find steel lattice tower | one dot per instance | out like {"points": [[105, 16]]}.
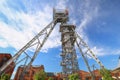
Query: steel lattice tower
{"points": [[69, 58], [68, 38]]}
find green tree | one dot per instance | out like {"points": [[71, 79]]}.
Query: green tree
{"points": [[50, 78], [40, 75], [106, 75], [73, 77], [5, 77]]}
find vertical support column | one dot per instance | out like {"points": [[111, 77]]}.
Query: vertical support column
{"points": [[69, 58]]}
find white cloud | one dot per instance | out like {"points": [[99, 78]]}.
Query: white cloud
{"points": [[22, 27], [98, 51], [88, 11], [117, 51], [61, 4], [3, 43], [104, 51]]}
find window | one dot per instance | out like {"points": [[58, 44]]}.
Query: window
{"points": [[87, 79], [4, 59]]}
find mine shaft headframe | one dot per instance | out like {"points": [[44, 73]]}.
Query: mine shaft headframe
{"points": [[61, 15], [69, 58]]}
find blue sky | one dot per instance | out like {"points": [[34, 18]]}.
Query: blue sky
{"points": [[97, 22]]}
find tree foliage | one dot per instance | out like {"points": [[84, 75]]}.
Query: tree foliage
{"points": [[106, 75], [5, 77], [50, 78], [40, 75], [74, 77]]}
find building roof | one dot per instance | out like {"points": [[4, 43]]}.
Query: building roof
{"points": [[95, 72], [116, 70], [4, 57]]}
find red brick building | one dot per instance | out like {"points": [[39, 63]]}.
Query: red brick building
{"points": [[59, 76], [52, 75], [4, 57], [30, 74], [83, 74], [96, 74], [116, 73]]}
